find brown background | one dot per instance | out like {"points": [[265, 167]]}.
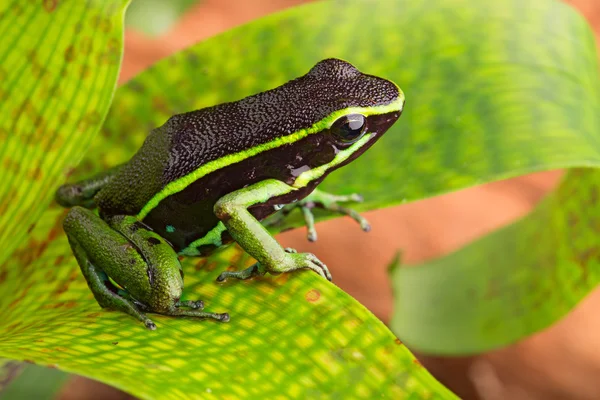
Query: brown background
{"points": [[562, 362]]}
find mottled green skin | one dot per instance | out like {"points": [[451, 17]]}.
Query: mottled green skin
{"points": [[194, 178]]}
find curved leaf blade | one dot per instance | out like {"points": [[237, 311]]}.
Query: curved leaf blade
{"points": [[59, 62], [509, 284]]}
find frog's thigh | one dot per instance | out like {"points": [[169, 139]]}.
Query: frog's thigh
{"points": [[163, 269], [97, 247]]}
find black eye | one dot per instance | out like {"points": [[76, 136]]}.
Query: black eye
{"points": [[349, 128]]}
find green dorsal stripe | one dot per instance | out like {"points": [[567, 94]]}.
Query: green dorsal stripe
{"points": [[183, 182]]}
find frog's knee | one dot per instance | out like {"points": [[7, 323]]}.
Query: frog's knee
{"points": [[75, 217]]}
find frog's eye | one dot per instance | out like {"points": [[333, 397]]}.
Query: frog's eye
{"points": [[349, 128]]}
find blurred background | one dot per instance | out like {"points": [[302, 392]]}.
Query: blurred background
{"points": [[562, 362]]}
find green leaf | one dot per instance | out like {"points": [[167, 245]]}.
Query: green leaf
{"points": [[536, 110], [59, 62], [509, 284], [35, 382], [293, 336], [155, 17]]}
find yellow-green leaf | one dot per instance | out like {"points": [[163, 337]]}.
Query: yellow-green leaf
{"points": [[59, 62]]}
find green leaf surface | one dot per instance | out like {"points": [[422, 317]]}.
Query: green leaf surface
{"points": [[59, 62], [154, 17], [291, 336], [536, 110], [35, 382], [509, 284]]}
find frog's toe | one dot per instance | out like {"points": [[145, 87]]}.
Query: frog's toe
{"points": [[321, 268], [310, 261], [150, 324], [195, 305], [253, 270], [224, 317]]}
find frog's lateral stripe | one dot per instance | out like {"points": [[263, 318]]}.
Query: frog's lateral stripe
{"points": [[181, 183]]}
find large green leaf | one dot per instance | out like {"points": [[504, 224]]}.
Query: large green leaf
{"points": [[59, 62], [524, 277], [509, 284]]}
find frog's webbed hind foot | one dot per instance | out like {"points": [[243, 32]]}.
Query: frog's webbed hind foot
{"points": [[195, 311], [326, 201]]}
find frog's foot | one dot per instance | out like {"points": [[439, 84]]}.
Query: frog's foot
{"points": [[292, 262], [326, 201], [181, 312], [195, 305], [254, 270]]}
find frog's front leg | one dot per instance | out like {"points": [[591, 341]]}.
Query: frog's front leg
{"points": [[232, 210], [143, 265], [82, 193]]}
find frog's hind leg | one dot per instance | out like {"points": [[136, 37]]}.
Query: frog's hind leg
{"points": [[95, 245], [136, 258], [164, 271], [82, 193]]}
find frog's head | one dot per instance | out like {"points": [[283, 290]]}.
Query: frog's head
{"points": [[351, 111]]}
